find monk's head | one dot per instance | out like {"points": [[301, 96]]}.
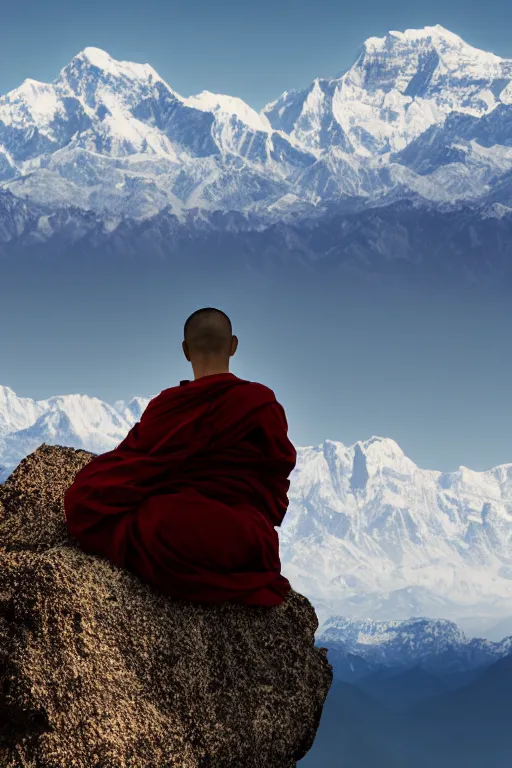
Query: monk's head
{"points": [[209, 341]]}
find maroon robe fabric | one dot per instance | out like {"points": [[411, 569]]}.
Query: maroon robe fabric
{"points": [[189, 499]]}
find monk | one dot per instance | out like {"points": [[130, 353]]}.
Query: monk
{"points": [[189, 500]]}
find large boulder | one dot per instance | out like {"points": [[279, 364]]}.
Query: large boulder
{"points": [[99, 670]]}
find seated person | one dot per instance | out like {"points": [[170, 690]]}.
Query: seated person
{"points": [[189, 499]]}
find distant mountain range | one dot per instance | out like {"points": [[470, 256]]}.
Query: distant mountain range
{"points": [[405, 159], [358, 649], [367, 532]]}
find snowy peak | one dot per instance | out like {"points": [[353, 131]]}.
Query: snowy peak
{"points": [[90, 107], [381, 446], [17, 412], [112, 136], [102, 60], [102, 83], [87, 414], [369, 530], [421, 63], [6, 393], [132, 410], [368, 632], [398, 87], [435, 36], [74, 420], [418, 63], [436, 32], [96, 63], [231, 106], [352, 467], [451, 49]]}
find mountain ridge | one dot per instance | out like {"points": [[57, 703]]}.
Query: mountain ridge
{"points": [[114, 138], [432, 645]]}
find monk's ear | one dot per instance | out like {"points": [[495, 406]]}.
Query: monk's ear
{"points": [[184, 346], [234, 345]]}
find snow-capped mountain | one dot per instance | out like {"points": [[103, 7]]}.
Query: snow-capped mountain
{"points": [[421, 116], [436, 645], [114, 138], [78, 421], [400, 85], [16, 413], [367, 532], [370, 532]]}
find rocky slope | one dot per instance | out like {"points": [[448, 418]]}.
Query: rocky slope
{"points": [[97, 669]]}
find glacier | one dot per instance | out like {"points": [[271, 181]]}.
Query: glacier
{"points": [[368, 534]]}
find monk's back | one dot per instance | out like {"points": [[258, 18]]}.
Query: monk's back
{"points": [[196, 489]]}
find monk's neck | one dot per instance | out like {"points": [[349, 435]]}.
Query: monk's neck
{"points": [[209, 372]]}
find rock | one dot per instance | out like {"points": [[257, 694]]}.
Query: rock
{"points": [[99, 670]]}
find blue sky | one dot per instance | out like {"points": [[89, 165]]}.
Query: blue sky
{"points": [[252, 50], [433, 372], [431, 369]]}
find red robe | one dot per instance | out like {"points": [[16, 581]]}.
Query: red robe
{"points": [[189, 499]]}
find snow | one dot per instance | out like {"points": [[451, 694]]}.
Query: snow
{"points": [[40, 99], [229, 105], [147, 148], [397, 527], [17, 412], [443, 39], [75, 420], [103, 61]]}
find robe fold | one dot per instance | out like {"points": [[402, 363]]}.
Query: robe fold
{"points": [[189, 499]]}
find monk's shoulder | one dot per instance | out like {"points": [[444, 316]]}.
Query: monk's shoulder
{"points": [[261, 391], [162, 397], [168, 392]]}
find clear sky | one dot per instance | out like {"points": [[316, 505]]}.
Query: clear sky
{"points": [[434, 374], [252, 50], [430, 368]]}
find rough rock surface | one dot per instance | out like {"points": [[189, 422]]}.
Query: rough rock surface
{"points": [[98, 670]]}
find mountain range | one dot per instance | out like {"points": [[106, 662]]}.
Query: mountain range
{"points": [[357, 649], [367, 532], [405, 158]]}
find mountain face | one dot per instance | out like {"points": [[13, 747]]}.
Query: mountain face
{"points": [[109, 150], [371, 532], [367, 532], [114, 138]]}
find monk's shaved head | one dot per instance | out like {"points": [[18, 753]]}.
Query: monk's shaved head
{"points": [[208, 334]]}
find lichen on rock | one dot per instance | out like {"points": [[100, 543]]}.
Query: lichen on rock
{"points": [[100, 670]]}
